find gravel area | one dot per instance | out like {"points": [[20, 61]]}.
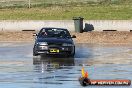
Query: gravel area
{"points": [[86, 37]]}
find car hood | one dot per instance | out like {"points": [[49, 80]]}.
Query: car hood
{"points": [[55, 40]]}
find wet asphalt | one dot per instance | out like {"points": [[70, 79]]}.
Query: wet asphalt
{"points": [[19, 69]]}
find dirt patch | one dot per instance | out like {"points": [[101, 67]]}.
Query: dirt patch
{"points": [[86, 37], [16, 36], [104, 37]]}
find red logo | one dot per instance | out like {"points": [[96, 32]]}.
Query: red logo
{"points": [[85, 81]]}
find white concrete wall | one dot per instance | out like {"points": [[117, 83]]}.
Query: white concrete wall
{"points": [[99, 25], [119, 25], [35, 24]]}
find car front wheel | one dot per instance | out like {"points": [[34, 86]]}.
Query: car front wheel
{"points": [[72, 54], [34, 53]]}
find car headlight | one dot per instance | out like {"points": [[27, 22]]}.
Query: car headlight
{"points": [[42, 43], [66, 44], [43, 47]]}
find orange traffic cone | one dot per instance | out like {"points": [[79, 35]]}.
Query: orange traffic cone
{"points": [[84, 74], [84, 80]]}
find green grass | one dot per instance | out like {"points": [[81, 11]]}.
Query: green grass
{"points": [[105, 10]]}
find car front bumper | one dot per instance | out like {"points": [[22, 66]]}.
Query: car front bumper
{"points": [[54, 49]]}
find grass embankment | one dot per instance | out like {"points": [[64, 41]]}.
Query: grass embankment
{"points": [[99, 11]]}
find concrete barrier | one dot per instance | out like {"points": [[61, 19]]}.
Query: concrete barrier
{"points": [[119, 25], [89, 25], [14, 25]]}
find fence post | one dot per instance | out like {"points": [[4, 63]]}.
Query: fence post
{"points": [[29, 3]]}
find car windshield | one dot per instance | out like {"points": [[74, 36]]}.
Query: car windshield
{"points": [[54, 32]]}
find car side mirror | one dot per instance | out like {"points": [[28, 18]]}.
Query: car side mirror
{"points": [[34, 34], [73, 36]]}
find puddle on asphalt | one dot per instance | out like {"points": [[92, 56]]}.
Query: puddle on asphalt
{"points": [[18, 69]]}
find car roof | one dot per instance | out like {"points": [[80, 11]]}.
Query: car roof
{"points": [[54, 28]]}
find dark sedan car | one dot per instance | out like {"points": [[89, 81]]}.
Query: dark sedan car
{"points": [[54, 41]]}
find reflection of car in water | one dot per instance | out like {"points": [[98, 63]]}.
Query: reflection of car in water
{"points": [[54, 41], [51, 63]]}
